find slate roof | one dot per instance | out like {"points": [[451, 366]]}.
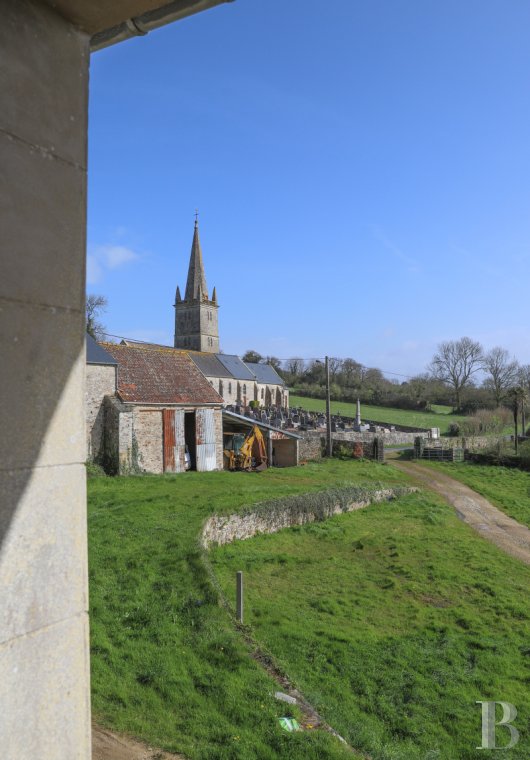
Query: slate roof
{"points": [[236, 367], [265, 373], [209, 364], [95, 354], [160, 376]]}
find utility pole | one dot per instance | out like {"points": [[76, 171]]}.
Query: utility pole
{"points": [[329, 443]]}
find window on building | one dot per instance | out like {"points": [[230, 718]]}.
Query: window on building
{"points": [[262, 393], [244, 389], [230, 388]]}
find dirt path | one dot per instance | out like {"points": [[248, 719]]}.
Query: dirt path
{"points": [[109, 746], [475, 510]]}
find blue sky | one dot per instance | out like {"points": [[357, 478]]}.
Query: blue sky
{"points": [[361, 171]]}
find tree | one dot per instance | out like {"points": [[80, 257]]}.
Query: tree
{"points": [[274, 362], [252, 356], [351, 372], [517, 398], [502, 372], [335, 366], [95, 305], [455, 362], [295, 366]]}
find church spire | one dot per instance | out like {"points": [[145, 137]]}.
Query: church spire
{"points": [[196, 283]]}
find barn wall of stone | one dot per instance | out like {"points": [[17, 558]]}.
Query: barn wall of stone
{"points": [[149, 439], [100, 382]]}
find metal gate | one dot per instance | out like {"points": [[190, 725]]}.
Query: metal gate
{"points": [[174, 443]]}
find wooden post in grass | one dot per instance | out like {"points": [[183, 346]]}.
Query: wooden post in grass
{"points": [[239, 595]]}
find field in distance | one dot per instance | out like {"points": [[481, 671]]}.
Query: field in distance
{"points": [[440, 417]]}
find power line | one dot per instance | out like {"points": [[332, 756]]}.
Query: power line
{"points": [[302, 358]]}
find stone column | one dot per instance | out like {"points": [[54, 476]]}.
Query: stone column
{"points": [[44, 663]]}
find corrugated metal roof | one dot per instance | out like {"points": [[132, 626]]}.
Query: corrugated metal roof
{"points": [[95, 354], [160, 376], [265, 373], [237, 368], [251, 422], [209, 364]]}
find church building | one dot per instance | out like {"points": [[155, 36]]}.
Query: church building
{"points": [[196, 322]]}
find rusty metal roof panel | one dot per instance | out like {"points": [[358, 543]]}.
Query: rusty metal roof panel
{"points": [[249, 422], [160, 376]]}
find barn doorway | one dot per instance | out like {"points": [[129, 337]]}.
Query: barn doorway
{"points": [[190, 438]]}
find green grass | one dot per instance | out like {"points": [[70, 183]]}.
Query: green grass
{"points": [[507, 488], [167, 663], [393, 620], [440, 416]]}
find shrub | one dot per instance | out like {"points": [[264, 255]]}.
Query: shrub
{"points": [[454, 429], [94, 470]]}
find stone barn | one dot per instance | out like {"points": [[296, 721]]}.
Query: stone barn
{"points": [[165, 415]]}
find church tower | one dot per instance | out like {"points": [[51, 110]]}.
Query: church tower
{"points": [[196, 320]]}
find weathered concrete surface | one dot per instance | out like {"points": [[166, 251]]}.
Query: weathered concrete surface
{"points": [[43, 694], [475, 510], [44, 669]]}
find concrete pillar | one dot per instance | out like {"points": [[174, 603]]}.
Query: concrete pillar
{"points": [[44, 669]]}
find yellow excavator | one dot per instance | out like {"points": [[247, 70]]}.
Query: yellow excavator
{"points": [[247, 452]]}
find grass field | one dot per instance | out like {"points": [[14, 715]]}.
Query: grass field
{"points": [[440, 417], [394, 621], [167, 663], [506, 488]]}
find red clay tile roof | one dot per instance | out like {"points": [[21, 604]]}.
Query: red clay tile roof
{"points": [[160, 376]]}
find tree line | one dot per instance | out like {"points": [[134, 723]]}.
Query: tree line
{"points": [[461, 374]]}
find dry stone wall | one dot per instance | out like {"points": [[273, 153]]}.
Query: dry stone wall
{"points": [[294, 510]]}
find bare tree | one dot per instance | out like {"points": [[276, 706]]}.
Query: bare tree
{"points": [[95, 305], [502, 371], [273, 361], [295, 365], [523, 379], [455, 362], [517, 398], [335, 366]]}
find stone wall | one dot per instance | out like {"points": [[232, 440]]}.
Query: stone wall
{"points": [[313, 444], [228, 388], [223, 529], [471, 443], [149, 440], [100, 382]]}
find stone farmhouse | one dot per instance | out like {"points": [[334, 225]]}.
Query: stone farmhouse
{"points": [[150, 410]]}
